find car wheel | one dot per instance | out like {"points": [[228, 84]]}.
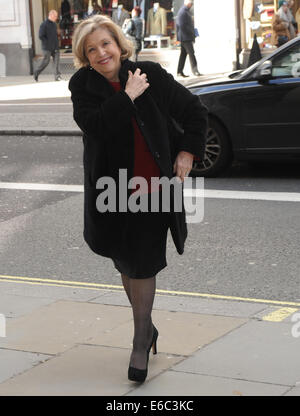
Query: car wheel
{"points": [[218, 152]]}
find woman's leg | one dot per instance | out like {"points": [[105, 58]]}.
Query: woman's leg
{"points": [[142, 292], [126, 285]]}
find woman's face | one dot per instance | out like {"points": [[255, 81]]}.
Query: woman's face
{"points": [[103, 53]]}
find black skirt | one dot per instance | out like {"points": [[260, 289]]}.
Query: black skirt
{"points": [[145, 254]]}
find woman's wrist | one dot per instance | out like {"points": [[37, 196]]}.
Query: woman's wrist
{"points": [[130, 95]]}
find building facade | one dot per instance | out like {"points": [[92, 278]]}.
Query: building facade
{"points": [[15, 37], [226, 29]]}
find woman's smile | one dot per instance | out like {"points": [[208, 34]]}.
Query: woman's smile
{"points": [[104, 61]]}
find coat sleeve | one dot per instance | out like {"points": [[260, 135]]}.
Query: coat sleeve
{"points": [[42, 32], [186, 109], [95, 116]]}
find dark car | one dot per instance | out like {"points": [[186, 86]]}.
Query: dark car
{"points": [[254, 114]]}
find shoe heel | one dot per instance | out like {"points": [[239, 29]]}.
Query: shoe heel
{"points": [[135, 374], [154, 344]]}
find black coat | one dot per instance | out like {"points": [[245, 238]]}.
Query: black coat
{"points": [[185, 25], [105, 117], [48, 36]]}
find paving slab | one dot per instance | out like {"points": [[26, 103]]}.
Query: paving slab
{"points": [[191, 304], [38, 120], [83, 370], [13, 363], [179, 333], [55, 292], [172, 383], [295, 391], [54, 328], [258, 351], [13, 306]]}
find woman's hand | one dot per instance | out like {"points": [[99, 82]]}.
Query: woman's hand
{"points": [[136, 84], [183, 165]]}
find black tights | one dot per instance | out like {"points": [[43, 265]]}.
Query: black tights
{"points": [[140, 293]]}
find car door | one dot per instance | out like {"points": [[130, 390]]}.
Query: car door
{"points": [[270, 111]]}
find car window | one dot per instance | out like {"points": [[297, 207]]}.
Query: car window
{"points": [[288, 63]]}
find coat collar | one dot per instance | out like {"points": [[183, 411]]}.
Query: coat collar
{"points": [[97, 84]]}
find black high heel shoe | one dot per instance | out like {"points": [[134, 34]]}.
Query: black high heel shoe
{"points": [[135, 374]]}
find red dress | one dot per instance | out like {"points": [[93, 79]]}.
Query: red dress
{"points": [[144, 163]]}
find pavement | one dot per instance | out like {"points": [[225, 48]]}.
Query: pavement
{"points": [[74, 339], [66, 338]]}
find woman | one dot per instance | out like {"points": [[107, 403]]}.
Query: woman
{"points": [[281, 24], [124, 111], [134, 28]]}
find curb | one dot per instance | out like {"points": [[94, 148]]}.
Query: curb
{"points": [[39, 132]]}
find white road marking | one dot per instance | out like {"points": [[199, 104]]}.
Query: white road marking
{"points": [[41, 187], [198, 193], [252, 195]]}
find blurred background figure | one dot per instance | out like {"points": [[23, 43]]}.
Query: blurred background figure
{"points": [[93, 9], [281, 24], [134, 29], [186, 36], [293, 27], [50, 45]]}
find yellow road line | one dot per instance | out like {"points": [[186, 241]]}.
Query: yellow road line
{"points": [[49, 284], [279, 315], [100, 286]]}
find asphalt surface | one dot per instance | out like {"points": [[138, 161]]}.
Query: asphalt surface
{"points": [[241, 248]]}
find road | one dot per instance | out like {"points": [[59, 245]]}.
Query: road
{"points": [[242, 248]]}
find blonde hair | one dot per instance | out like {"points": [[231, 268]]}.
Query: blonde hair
{"points": [[88, 26]]}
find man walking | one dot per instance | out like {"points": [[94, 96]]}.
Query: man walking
{"points": [[186, 36], [49, 38]]}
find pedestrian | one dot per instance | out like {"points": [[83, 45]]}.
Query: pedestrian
{"points": [[134, 28], [293, 26], [280, 25], [186, 36], [96, 9], [50, 46], [125, 111]]}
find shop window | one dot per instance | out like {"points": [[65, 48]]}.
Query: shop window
{"points": [[257, 19], [258, 15], [71, 12]]}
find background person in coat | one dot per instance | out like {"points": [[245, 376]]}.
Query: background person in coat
{"points": [[50, 46], [124, 110], [281, 24], [134, 28], [186, 36]]}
